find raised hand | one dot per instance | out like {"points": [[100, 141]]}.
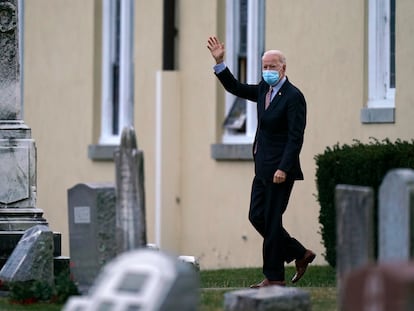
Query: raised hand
{"points": [[216, 49]]}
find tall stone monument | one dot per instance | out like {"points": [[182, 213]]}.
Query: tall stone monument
{"points": [[130, 194], [18, 210]]}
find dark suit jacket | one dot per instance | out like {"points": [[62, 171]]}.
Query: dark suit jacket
{"points": [[280, 128]]}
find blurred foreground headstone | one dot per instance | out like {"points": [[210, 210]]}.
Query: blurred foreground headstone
{"points": [[384, 287], [145, 280]]}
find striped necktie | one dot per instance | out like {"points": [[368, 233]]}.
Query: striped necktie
{"points": [[268, 96]]}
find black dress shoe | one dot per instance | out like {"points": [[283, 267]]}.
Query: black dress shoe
{"points": [[267, 282], [302, 264]]}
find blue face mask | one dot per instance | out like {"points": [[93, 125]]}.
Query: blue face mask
{"points": [[270, 76]]}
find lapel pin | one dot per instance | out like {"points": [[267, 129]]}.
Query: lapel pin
{"points": [[280, 93]]}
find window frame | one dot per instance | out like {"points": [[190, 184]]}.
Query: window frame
{"points": [[255, 49], [123, 113], [380, 94], [380, 107]]}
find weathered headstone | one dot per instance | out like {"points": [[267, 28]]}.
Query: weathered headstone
{"points": [[92, 218], [130, 193], [396, 216], [355, 230], [32, 259], [272, 298], [142, 280], [381, 287]]}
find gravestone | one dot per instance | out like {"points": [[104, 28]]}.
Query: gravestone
{"points": [[271, 298], [32, 259], [355, 230], [383, 287], [92, 241], [130, 193], [396, 216], [142, 279]]}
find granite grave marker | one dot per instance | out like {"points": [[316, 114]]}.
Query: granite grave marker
{"points": [[91, 215], [32, 259]]}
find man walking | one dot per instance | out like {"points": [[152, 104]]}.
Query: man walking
{"points": [[281, 113]]}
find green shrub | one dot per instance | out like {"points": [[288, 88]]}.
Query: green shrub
{"points": [[34, 291], [29, 292], [64, 288], [360, 165]]}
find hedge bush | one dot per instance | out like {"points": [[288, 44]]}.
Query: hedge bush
{"points": [[34, 291], [360, 165]]}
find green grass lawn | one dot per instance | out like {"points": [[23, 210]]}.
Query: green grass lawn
{"points": [[319, 281]]}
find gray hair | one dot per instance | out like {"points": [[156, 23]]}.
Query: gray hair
{"points": [[282, 57]]}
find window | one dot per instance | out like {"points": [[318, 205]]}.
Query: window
{"points": [[381, 63], [244, 48], [117, 69]]}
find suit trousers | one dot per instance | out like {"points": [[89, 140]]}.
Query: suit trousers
{"points": [[267, 205]]}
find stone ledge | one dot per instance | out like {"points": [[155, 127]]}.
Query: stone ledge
{"points": [[101, 152], [377, 115], [232, 152]]}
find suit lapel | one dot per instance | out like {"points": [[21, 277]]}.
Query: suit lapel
{"points": [[279, 94]]}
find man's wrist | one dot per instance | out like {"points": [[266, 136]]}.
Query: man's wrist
{"points": [[219, 67]]}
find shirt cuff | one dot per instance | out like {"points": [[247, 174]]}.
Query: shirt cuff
{"points": [[219, 67]]}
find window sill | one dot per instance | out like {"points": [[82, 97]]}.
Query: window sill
{"points": [[231, 152], [101, 152], [377, 115]]}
